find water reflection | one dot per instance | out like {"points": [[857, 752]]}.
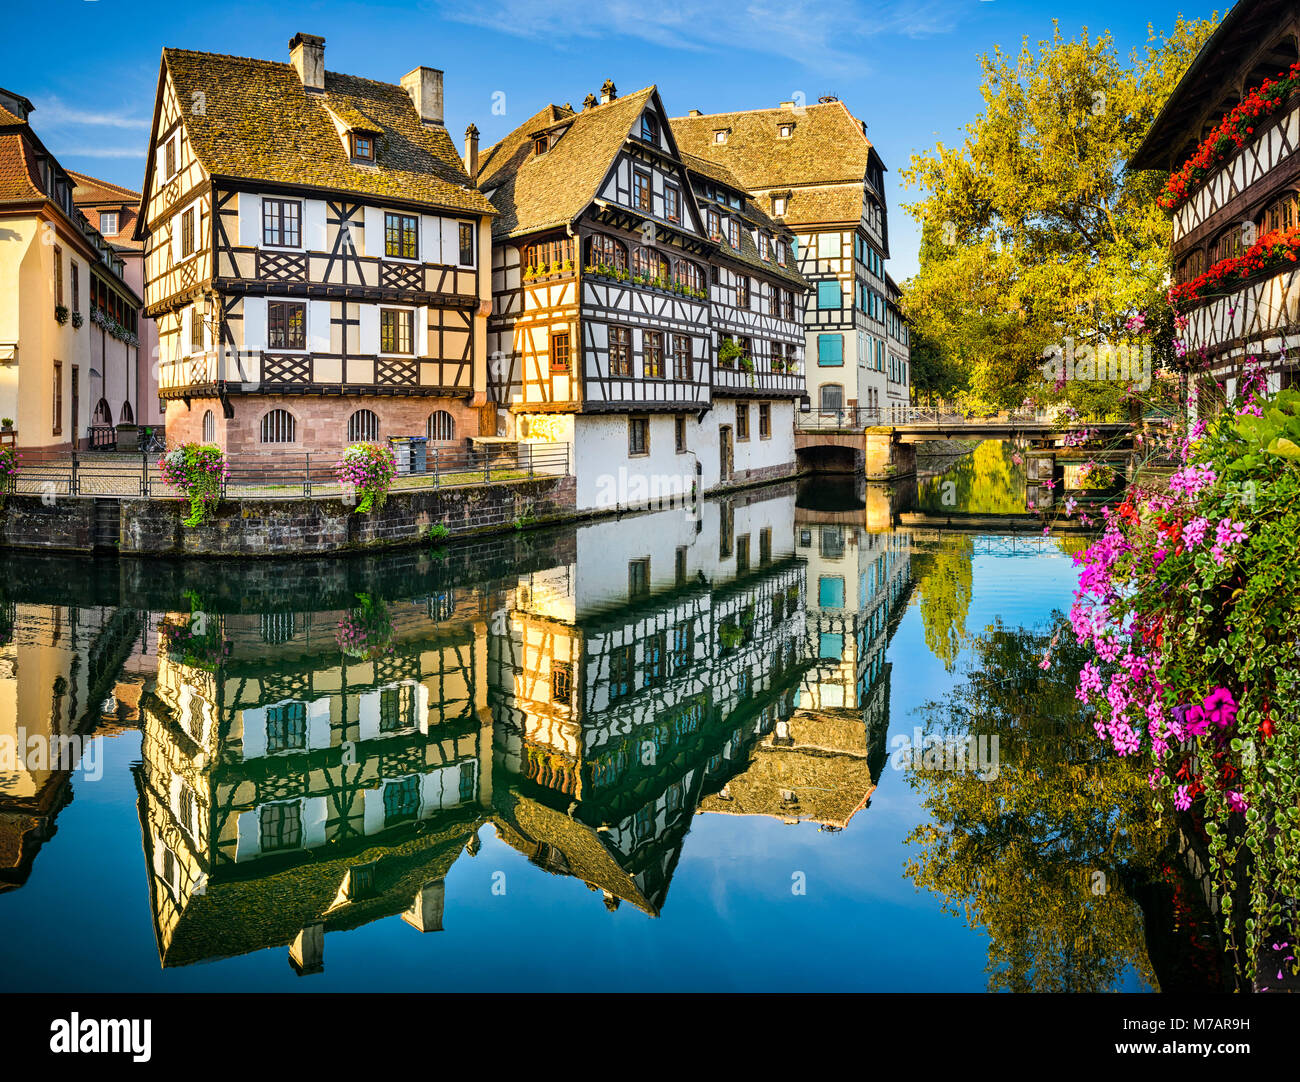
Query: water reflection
{"points": [[321, 742]]}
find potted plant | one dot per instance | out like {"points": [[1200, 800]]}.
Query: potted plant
{"points": [[728, 351], [77, 320], [61, 314], [6, 424]]}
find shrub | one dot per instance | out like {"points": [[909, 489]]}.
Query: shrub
{"points": [[368, 468], [1190, 600], [8, 471], [197, 471]]}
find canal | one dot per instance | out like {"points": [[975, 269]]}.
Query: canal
{"points": [[778, 743]]}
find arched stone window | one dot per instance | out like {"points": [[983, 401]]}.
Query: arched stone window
{"points": [[278, 426], [363, 426], [441, 427], [209, 427]]}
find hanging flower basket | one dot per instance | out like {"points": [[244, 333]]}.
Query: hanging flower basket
{"points": [[197, 471], [368, 469]]}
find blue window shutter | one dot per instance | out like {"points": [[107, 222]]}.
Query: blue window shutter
{"points": [[830, 349], [829, 295]]}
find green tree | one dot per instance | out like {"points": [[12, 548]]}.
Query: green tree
{"points": [[1038, 855], [1033, 229]]}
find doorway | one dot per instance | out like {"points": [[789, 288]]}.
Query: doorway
{"points": [[726, 463]]}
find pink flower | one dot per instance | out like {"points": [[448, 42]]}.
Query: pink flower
{"points": [[1181, 800], [1237, 802]]}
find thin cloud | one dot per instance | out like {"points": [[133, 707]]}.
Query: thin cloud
{"points": [[100, 152], [817, 33], [53, 113]]}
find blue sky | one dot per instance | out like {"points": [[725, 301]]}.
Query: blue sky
{"points": [[907, 67]]}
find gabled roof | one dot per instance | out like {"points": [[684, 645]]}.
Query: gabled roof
{"points": [[19, 179], [94, 190], [92, 194], [259, 123], [535, 193], [827, 147]]}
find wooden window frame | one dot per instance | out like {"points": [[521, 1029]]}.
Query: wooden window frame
{"points": [[361, 147], [74, 271], [683, 359], [638, 578], [673, 203], [57, 396], [652, 354], [465, 243], [104, 217], [189, 223], [679, 434], [765, 420], [58, 275], [405, 318], [396, 234], [281, 228], [742, 422], [643, 185], [561, 349], [623, 354], [170, 158], [635, 422], [604, 250], [287, 307], [743, 291], [196, 329], [561, 681], [649, 128]]}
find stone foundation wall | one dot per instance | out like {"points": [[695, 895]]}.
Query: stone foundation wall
{"points": [[252, 527], [320, 421]]}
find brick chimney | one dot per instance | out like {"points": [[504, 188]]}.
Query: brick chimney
{"points": [[425, 87], [607, 92], [307, 55], [471, 153]]}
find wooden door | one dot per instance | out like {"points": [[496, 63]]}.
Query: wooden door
{"points": [[725, 452]]}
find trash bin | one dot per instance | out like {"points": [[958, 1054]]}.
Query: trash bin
{"points": [[401, 446], [419, 454]]}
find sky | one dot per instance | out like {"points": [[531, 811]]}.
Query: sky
{"points": [[909, 68]]}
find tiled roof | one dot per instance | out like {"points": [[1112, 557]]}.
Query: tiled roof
{"points": [[6, 117], [753, 214], [17, 171], [827, 146], [93, 190], [93, 196], [540, 192], [259, 123]]}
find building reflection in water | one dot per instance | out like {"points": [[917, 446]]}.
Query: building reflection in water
{"points": [[315, 758]]}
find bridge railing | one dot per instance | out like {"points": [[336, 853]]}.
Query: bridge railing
{"points": [[943, 416]]}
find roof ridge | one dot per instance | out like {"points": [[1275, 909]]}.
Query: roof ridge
{"points": [[101, 183]]}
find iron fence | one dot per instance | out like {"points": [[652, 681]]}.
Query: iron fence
{"points": [[272, 475]]}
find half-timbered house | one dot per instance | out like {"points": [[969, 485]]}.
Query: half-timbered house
{"points": [[1255, 191], [295, 782], [314, 255], [756, 308], [813, 169], [68, 318], [604, 270]]}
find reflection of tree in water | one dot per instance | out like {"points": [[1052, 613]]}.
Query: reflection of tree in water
{"points": [[943, 577], [1037, 855], [986, 481]]}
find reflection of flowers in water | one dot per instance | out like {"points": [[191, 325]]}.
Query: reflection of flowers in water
{"points": [[195, 641], [366, 632]]}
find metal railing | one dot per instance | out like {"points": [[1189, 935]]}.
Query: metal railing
{"points": [[272, 475], [942, 416]]}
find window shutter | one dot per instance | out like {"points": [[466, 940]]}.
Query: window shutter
{"points": [[369, 327], [374, 239], [313, 225], [254, 323], [431, 239], [250, 220], [318, 326]]}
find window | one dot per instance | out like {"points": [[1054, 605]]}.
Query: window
{"points": [[286, 325], [682, 357], [282, 223], [638, 578], [638, 436], [764, 247], [603, 251], [541, 144], [720, 136], [466, 244], [396, 708], [679, 433], [653, 357], [278, 427], [58, 275], [713, 222], [169, 157], [549, 255], [620, 352], [733, 233], [785, 130], [742, 291], [468, 772], [622, 667], [1283, 213], [690, 275], [653, 669], [108, 222], [281, 826], [742, 553], [401, 800], [561, 681], [650, 128], [764, 420], [560, 354], [57, 397], [641, 191], [647, 263], [440, 427], [672, 203], [196, 329], [187, 232], [832, 397], [787, 304], [742, 420], [209, 426], [363, 426], [765, 557], [830, 591], [400, 236], [76, 284], [830, 295], [286, 727], [363, 146], [396, 330], [830, 349]]}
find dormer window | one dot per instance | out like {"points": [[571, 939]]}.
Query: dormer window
{"points": [[541, 144], [720, 136], [362, 146], [778, 205], [785, 130], [650, 128], [109, 223]]}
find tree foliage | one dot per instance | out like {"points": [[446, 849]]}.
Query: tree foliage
{"points": [[1033, 229]]}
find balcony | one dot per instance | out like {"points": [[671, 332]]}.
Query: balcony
{"points": [[761, 381], [1251, 314]]}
